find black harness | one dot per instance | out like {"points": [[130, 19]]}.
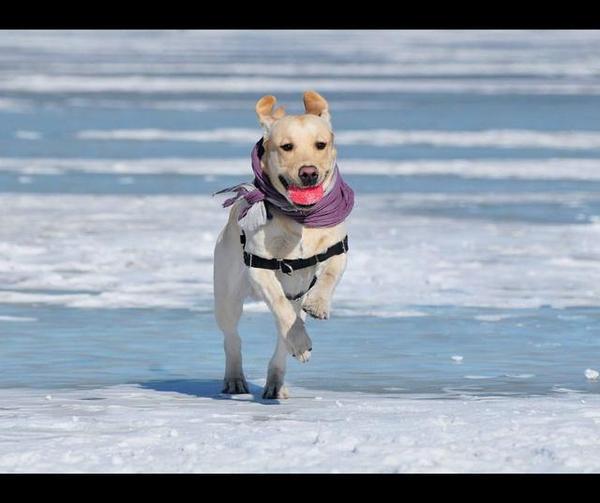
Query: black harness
{"points": [[288, 266]]}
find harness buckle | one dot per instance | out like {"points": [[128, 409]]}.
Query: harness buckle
{"points": [[289, 269]]}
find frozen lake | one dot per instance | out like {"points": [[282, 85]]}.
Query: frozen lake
{"points": [[474, 258]]}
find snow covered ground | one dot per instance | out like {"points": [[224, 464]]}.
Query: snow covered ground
{"points": [[156, 251], [132, 429], [464, 335]]}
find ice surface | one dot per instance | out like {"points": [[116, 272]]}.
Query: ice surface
{"points": [[501, 169], [77, 84], [28, 135], [461, 331], [568, 140]]}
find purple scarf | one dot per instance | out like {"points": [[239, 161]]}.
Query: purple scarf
{"points": [[330, 210]]}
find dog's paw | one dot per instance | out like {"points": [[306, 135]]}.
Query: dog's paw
{"points": [[298, 343], [275, 389], [235, 386], [318, 307]]}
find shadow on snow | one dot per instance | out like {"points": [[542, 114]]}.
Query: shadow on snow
{"points": [[204, 388]]}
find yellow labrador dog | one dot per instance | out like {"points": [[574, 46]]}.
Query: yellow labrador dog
{"points": [[285, 240]]}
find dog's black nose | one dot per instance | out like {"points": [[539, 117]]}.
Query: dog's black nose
{"points": [[308, 175]]}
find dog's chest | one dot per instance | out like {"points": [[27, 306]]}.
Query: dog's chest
{"points": [[283, 238]]}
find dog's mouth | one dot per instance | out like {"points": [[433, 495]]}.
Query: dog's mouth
{"points": [[303, 196]]}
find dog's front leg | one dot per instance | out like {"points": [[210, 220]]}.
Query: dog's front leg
{"points": [[317, 301], [292, 337], [289, 325]]}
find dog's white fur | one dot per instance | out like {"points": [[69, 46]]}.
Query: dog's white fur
{"points": [[281, 237]]}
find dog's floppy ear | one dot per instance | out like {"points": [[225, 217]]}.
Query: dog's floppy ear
{"points": [[315, 104], [266, 113]]}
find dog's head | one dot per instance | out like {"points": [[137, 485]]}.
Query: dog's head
{"points": [[299, 151]]}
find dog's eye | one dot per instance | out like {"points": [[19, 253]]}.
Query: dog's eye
{"points": [[287, 146], [320, 145]]}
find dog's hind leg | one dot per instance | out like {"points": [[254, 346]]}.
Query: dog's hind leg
{"points": [[229, 289], [228, 316]]}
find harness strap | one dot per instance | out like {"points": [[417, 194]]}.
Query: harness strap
{"points": [[302, 294], [290, 265]]}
